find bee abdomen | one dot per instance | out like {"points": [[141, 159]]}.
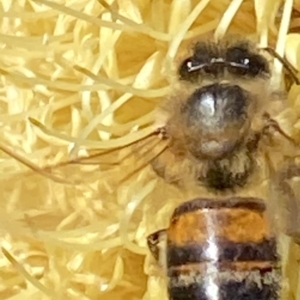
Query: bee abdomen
{"points": [[216, 284], [222, 250]]}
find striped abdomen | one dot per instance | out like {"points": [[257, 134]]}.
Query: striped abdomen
{"points": [[222, 250]]}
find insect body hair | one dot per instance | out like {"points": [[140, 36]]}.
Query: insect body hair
{"points": [[215, 117]]}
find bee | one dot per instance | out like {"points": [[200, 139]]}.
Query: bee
{"points": [[219, 131]]}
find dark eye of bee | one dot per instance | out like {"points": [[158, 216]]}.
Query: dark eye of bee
{"points": [[243, 62], [191, 68], [184, 71]]}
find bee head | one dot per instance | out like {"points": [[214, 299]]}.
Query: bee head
{"points": [[218, 110]]}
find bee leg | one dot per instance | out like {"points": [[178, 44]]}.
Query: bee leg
{"points": [[291, 201], [162, 133], [159, 165], [288, 66], [157, 246], [170, 167], [273, 124]]}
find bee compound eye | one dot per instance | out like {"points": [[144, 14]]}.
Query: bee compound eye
{"points": [[242, 62], [186, 71]]}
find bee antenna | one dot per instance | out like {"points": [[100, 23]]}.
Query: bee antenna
{"points": [[289, 68]]}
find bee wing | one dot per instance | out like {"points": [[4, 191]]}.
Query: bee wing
{"points": [[47, 194], [135, 156], [285, 194]]}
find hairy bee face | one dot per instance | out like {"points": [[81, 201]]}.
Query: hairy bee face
{"points": [[216, 115], [214, 118]]}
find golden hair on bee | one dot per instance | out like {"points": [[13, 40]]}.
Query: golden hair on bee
{"points": [[218, 115], [221, 134]]}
